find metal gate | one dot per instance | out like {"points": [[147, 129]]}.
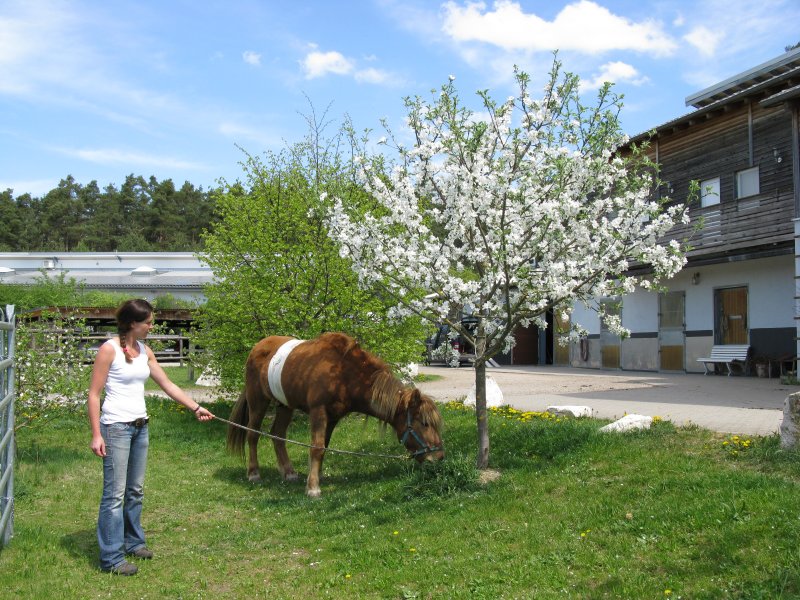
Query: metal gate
{"points": [[7, 340]]}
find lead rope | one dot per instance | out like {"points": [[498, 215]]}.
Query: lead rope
{"points": [[334, 450]]}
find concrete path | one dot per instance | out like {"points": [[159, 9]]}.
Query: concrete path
{"points": [[740, 405]]}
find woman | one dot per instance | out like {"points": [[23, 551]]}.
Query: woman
{"points": [[120, 434]]}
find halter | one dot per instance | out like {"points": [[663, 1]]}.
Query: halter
{"points": [[424, 448]]}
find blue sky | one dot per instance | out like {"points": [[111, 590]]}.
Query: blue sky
{"points": [[102, 89]]}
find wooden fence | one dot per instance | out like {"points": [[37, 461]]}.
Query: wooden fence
{"points": [[169, 349]]}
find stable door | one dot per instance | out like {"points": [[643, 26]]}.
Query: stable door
{"points": [[671, 331], [731, 316]]}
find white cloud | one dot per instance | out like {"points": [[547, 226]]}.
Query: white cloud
{"points": [[252, 133], [614, 72], [372, 76], [33, 39], [47, 56], [419, 18], [318, 64], [704, 39], [251, 58], [111, 156], [583, 26]]}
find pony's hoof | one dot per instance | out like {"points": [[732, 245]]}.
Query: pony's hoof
{"points": [[254, 478], [291, 476], [315, 493]]}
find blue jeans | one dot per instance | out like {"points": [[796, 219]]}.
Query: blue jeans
{"points": [[119, 527]]}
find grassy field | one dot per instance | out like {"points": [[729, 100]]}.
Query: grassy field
{"points": [[179, 375], [668, 513]]}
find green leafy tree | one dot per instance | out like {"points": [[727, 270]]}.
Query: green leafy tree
{"points": [[10, 218], [140, 216], [90, 198], [277, 270], [46, 291], [63, 215], [29, 237]]}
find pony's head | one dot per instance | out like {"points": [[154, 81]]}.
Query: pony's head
{"points": [[420, 431], [413, 415]]}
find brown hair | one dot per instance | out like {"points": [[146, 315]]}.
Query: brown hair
{"points": [[132, 311]]}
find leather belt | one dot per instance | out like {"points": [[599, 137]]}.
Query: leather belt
{"points": [[138, 423]]}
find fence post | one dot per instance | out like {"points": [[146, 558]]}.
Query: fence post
{"points": [[191, 361], [7, 392]]}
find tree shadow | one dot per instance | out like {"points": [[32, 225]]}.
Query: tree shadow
{"points": [[82, 545], [34, 453]]}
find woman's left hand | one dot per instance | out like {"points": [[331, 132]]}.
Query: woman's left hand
{"points": [[203, 414]]}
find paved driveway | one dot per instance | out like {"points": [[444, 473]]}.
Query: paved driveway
{"points": [[743, 405]]}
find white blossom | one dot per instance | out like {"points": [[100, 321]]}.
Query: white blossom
{"points": [[508, 216]]}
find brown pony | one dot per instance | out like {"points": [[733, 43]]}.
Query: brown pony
{"points": [[328, 378]]}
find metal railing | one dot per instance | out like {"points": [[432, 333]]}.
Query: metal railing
{"points": [[7, 393]]}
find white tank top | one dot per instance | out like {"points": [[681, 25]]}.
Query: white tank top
{"points": [[124, 400]]}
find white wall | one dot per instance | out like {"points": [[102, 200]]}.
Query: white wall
{"points": [[640, 311], [771, 291], [770, 285], [586, 318]]}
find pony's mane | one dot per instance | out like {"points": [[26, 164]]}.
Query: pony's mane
{"points": [[387, 394], [429, 414], [388, 397]]}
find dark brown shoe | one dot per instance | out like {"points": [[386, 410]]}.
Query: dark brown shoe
{"points": [[142, 552], [123, 568]]}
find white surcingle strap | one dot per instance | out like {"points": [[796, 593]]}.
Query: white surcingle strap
{"points": [[275, 369]]}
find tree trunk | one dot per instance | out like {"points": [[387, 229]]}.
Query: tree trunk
{"points": [[480, 399]]}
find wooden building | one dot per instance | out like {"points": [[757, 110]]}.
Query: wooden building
{"points": [[741, 143]]}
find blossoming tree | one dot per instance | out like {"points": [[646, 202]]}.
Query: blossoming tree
{"points": [[524, 207]]}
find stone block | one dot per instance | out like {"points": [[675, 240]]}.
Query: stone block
{"points": [[629, 423], [570, 411]]}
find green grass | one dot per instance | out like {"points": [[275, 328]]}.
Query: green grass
{"points": [[178, 375], [427, 377], [667, 513]]}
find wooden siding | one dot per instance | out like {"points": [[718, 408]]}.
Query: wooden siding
{"points": [[719, 145]]}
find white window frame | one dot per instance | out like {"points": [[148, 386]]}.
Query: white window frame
{"points": [[748, 182], [709, 192]]}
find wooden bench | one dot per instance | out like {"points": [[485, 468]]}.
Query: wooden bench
{"points": [[728, 355]]}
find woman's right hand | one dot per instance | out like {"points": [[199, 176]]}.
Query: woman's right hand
{"points": [[99, 446]]}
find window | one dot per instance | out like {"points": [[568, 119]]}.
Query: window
{"points": [[747, 183], [709, 192]]}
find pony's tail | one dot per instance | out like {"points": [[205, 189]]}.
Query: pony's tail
{"points": [[237, 435]]}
